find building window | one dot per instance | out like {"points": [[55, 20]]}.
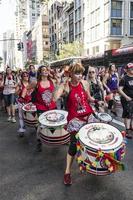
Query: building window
{"points": [[76, 15], [76, 28], [80, 26], [116, 27], [79, 13], [131, 27], [116, 9], [131, 10]]}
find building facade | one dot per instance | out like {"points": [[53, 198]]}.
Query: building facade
{"points": [[8, 49], [33, 12], [108, 25]]}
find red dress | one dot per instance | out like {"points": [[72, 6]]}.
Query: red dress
{"points": [[44, 97], [77, 104]]}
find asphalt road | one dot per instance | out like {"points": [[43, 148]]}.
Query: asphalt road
{"points": [[28, 175]]}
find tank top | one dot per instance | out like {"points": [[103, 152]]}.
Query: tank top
{"points": [[112, 82], [44, 97], [27, 97], [77, 102], [8, 85]]}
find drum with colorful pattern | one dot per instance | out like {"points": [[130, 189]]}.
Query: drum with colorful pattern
{"points": [[51, 129], [100, 149]]}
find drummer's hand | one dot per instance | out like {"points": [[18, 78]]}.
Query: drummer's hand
{"points": [[128, 98], [101, 103]]}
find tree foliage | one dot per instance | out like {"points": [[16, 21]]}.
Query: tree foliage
{"points": [[71, 49], [43, 1]]}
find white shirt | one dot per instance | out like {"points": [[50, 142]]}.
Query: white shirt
{"points": [[8, 87]]}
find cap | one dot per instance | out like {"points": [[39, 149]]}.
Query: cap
{"points": [[129, 66]]}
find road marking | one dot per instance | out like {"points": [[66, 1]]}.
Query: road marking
{"points": [[118, 122]]}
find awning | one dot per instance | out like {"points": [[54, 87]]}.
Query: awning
{"points": [[122, 51]]}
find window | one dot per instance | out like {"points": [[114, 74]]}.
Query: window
{"points": [[76, 15], [80, 26], [79, 13], [131, 10], [116, 9], [76, 28], [131, 27], [116, 27]]}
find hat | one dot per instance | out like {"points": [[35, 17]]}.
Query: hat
{"points": [[129, 66]]}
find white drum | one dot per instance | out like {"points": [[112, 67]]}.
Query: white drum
{"points": [[104, 117], [30, 115], [100, 149], [51, 129]]}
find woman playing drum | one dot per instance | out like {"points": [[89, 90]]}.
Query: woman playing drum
{"points": [[24, 98], [78, 108], [43, 94]]}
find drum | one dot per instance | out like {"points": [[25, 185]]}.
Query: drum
{"points": [[100, 149], [104, 117], [51, 129], [30, 115], [118, 105]]}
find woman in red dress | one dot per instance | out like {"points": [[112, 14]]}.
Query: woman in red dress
{"points": [[79, 110]]}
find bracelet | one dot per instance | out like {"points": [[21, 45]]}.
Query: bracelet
{"points": [[95, 101]]}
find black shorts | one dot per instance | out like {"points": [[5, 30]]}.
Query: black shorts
{"points": [[9, 99], [127, 108]]}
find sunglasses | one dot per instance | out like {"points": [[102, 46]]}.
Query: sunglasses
{"points": [[91, 72], [26, 75]]}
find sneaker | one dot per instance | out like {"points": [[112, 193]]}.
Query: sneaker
{"points": [[21, 130], [128, 134], [21, 135], [13, 120], [9, 119], [67, 179]]}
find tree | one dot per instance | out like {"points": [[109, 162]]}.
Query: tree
{"points": [[71, 49], [44, 1]]}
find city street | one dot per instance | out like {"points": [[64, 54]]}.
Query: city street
{"points": [[28, 175]]}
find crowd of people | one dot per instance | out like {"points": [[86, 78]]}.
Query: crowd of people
{"points": [[68, 88]]}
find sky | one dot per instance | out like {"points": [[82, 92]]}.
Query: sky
{"points": [[7, 9]]}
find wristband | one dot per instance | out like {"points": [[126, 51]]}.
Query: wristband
{"points": [[95, 101]]}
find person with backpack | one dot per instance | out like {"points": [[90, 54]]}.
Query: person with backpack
{"points": [[79, 110], [9, 94]]}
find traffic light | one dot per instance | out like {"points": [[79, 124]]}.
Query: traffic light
{"points": [[20, 46]]}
